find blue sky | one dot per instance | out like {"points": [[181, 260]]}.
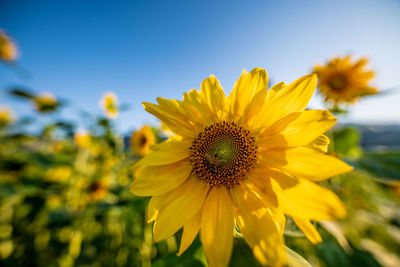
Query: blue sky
{"points": [[141, 50]]}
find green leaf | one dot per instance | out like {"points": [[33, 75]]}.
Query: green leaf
{"points": [[346, 142], [21, 92], [295, 260], [384, 166], [242, 255]]}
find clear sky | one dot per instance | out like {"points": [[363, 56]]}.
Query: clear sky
{"points": [[141, 50]]}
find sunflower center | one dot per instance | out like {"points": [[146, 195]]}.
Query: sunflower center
{"points": [[223, 154], [338, 82], [143, 140], [94, 187]]}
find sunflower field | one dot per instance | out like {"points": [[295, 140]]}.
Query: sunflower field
{"points": [[255, 177]]}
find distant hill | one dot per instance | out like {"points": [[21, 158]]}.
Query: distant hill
{"points": [[378, 136]]}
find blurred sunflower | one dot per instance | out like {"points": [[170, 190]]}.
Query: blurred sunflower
{"points": [[6, 116], [45, 102], [8, 49], [250, 157], [142, 140], [342, 80], [109, 104], [396, 188], [82, 139], [97, 190]]}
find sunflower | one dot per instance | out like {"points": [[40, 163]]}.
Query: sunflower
{"points": [[244, 160], [97, 190], [142, 140], [6, 116], [8, 49], [342, 80], [45, 102], [109, 104], [82, 139]]}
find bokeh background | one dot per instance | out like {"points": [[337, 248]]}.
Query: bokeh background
{"points": [[66, 165]]}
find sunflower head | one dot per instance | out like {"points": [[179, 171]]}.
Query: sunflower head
{"points": [[45, 102], [98, 189], [8, 49], [247, 160], [142, 140], [6, 116], [82, 139], [342, 80], [223, 154], [109, 104]]}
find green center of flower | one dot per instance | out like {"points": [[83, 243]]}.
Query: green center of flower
{"points": [[223, 154]]}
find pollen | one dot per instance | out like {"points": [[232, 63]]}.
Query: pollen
{"points": [[223, 154]]}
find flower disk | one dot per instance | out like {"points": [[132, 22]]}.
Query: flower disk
{"points": [[223, 154]]}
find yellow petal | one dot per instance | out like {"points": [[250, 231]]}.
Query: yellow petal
{"points": [[257, 225], [182, 204], [277, 213], [157, 180], [308, 229], [194, 108], [155, 205], [292, 98], [305, 162], [261, 179], [170, 113], [311, 164], [173, 150], [190, 231], [248, 94], [306, 127], [217, 225], [321, 144], [213, 96], [285, 180], [260, 83], [307, 200], [275, 89]]}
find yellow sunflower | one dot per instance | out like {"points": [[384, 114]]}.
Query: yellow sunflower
{"points": [[45, 102], [109, 104], [98, 189], [82, 139], [142, 140], [8, 49], [246, 159], [342, 80], [6, 116]]}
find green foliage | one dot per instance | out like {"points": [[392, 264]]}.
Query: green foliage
{"points": [[346, 142], [383, 166]]}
